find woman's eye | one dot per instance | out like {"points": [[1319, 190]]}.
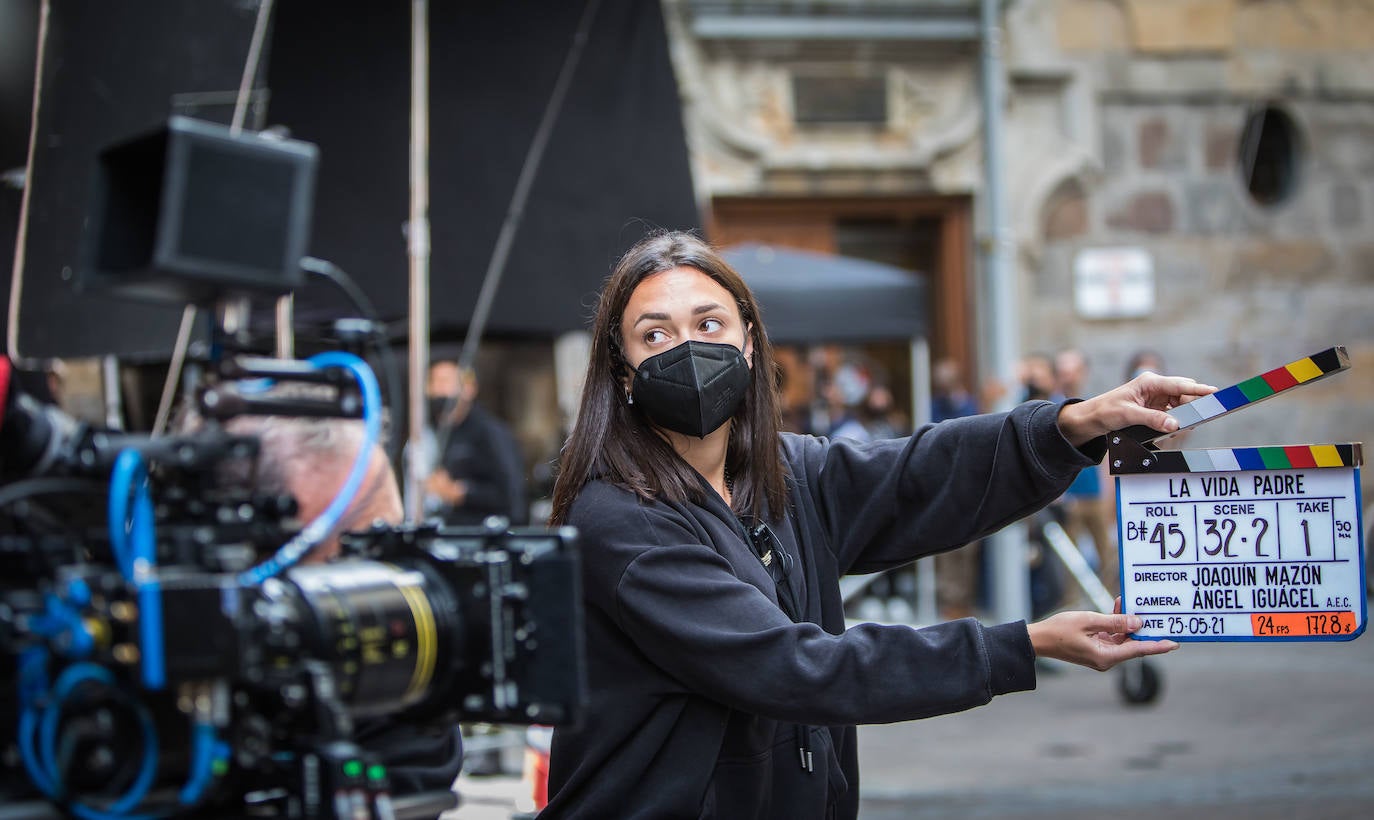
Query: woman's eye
{"points": [[712, 325], [654, 337]]}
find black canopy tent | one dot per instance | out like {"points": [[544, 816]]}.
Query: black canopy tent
{"points": [[616, 161], [808, 297]]}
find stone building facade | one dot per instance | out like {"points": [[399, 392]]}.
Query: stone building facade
{"points": [[1227, 143]]}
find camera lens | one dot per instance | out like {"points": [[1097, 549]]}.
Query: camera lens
{"points": [[380, 627]]}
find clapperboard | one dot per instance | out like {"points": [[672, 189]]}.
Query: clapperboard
{"points": [[1242, 543]]}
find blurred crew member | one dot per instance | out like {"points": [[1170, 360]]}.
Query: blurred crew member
{"points": [[482, 471]]}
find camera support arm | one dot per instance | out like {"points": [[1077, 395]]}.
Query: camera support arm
{"points": [[227, 399]]}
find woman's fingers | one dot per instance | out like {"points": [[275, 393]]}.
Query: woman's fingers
{"points": [[1093, 639]]}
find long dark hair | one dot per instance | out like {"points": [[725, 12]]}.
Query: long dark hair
{"points": [[615, 442]]}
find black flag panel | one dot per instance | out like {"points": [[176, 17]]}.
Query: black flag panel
{"points": [[110, 71], [616, 163]]}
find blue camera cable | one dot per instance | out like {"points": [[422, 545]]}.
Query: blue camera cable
{"points": [[138, 562]]}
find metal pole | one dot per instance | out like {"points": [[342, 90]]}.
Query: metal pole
{"points": [[1011, 578], [21, 237], [927, 607], [286, 321], [417, 236], [114, 394]]}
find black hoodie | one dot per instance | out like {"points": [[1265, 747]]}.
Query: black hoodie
{"points": [[698, 679]]}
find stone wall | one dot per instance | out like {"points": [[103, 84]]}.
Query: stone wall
{"points": [[1240, 287]]}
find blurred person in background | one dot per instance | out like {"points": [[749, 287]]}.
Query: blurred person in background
{"points": [[845, 393], [949, 398], [1144, 360], [1036, 374], [880, 416], [482, 471], [868, 412]]}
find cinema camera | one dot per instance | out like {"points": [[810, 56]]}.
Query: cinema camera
{"points": [[158, 666]]}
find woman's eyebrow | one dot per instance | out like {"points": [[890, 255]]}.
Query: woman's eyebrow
{"points": [[656, 316], [663, 317]]}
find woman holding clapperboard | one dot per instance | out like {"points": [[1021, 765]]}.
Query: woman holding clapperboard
{"points": [[723, 682]]}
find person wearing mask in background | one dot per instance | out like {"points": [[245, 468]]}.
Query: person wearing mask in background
{"points": [[722, 680], [880, 415], [482, 471]]}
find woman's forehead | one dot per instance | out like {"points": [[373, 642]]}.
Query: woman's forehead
{"points": [[674, 290]]}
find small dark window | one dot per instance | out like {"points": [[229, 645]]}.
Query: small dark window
{"points": [[1270, 154], [821, 100]]}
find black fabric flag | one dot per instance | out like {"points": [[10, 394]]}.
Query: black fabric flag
{"points": [[615, 166]]}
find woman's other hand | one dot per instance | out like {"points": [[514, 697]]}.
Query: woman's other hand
{"points": [[1093, 639]]}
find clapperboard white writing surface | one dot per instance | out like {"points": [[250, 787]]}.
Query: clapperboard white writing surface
{"points": [[1242, 543]]}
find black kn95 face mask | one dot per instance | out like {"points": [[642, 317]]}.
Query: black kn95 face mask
{"points": [[693, 388]]}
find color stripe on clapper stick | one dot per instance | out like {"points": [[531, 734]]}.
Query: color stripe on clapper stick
{"points": [[1231, 459], [1252, 391]]}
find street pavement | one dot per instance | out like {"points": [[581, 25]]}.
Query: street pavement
{"points": [[490, 797], [1238, 731], [1255, 731]]}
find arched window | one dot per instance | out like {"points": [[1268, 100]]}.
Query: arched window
{"points": [[1270, 155]]}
